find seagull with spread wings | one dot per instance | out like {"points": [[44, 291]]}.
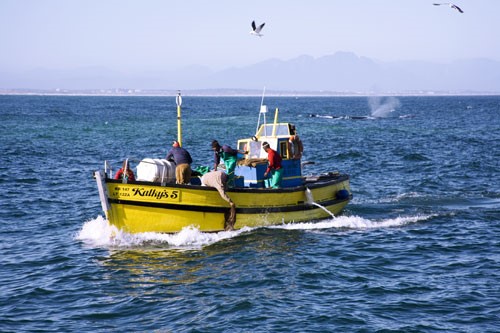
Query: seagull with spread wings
{"points": [[256, 29], [449, 4]]}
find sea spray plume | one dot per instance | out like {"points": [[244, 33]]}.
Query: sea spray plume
{"points": [[381, 107]]}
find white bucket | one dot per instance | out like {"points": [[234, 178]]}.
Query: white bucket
{"points": [[156, 170]]}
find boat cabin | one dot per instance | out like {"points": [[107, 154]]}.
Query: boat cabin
{"points": [[250, 171], [251, 167]]}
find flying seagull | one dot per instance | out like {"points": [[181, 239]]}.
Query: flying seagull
{"points": [[451, 6], [256, 29]]}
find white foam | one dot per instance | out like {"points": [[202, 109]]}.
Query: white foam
{"points": [[99, 233], [355, 222], [401, 197]]}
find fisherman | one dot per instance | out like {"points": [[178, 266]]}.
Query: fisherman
{"points": [[126, 175], [218, 179], [229, 156], [183, 161], [274, 168], [296, 147]]}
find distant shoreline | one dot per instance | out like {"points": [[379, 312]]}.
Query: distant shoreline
{"points": [[229, 93]]}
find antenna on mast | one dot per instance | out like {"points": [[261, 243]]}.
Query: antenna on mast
{"points": [[263, 110], [263, 93], [178, 101]]}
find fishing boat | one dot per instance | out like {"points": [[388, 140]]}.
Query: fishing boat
{"points": [[153, 202]]}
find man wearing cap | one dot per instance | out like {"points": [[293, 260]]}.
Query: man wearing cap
{"points": [[274, 168], [230, 158], [183, 161]]}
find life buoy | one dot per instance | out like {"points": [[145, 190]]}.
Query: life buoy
{"points": [[342, 194]]}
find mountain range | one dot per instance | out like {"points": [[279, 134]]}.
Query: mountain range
{"points": [[341, 72]]}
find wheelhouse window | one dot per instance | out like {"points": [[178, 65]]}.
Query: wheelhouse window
{"points": [[267, 130]]}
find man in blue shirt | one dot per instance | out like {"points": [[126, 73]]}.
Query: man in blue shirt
{"points": [[183, 161]]}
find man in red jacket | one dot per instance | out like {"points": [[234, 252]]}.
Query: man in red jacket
{"points": [[125, 172], [274, 168]]}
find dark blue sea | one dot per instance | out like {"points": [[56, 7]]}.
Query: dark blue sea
{"points": [[417, 249]]}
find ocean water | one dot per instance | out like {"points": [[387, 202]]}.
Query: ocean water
{"points": [[417, 250]]}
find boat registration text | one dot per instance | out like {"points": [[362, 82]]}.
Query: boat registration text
{"points": [[136, 192]]}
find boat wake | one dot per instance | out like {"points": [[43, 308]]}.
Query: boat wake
{"points": [[354, 222], [99, 233]]}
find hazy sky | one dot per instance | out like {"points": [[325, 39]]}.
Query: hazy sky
{"points": [[164, 34]]}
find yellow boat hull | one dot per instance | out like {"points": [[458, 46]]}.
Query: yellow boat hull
{"points": [[137, 207]]}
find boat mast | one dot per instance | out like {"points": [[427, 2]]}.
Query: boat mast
{"points": [[178, 101], [275, 121]]}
